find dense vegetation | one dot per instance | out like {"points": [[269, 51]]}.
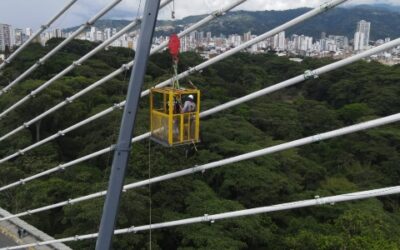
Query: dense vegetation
{"points": [[339, 21], [355, 162]]}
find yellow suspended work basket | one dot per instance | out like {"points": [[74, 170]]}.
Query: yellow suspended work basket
{"points": [[169, 126]]}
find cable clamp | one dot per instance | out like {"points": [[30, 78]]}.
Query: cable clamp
{"points": [[29, 212], [207, 218], [70, 202], [69, 100], [22, 182], [77, 238], [60, 133], [32, 94], [193, 70], [310, 74], [20, 152], [218, 13], [7, 61], [76, 63], [117, 106], [40, 61], [317, 138], [61, 167], [26, 125], [319, 200], [125, 67], [326, 6], [132, 229], [44, 26], [138, 20]]}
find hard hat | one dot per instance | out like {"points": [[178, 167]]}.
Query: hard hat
{"points": [[191, 97]]}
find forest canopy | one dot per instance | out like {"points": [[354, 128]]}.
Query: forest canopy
{"points": [[356, 162]]}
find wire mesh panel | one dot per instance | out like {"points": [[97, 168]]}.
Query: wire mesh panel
{"points": [[171, 124]]}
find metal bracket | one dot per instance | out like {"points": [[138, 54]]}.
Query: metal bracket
{"points": [[310, 74], [218, 13]]}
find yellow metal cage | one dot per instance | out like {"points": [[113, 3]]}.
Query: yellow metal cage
{"points": [[168, 125]]}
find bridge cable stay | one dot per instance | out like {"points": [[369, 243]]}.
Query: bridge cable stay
{"points": [[306, 16], [42, 60], [230, 104], [235, 159], [44, 27], [124, 68], [304, 141], [206, 218], [132, 26]]}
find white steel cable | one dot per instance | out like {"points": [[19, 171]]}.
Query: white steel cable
{"points": [[34, 36], [268, 90], [247, 156], [133, 25], [206, 218], [197, 68], [42, 60], [123, 68]]}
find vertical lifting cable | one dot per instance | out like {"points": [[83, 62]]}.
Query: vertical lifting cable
{"points": [[150, 197]]}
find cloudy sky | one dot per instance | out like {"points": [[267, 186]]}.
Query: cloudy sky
{"points": [[33, 13]]}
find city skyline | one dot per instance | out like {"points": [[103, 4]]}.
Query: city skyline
{"points": [[30, 14], [209, 45]]}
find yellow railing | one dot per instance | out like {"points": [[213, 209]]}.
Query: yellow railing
{"points": [[175, 130]]}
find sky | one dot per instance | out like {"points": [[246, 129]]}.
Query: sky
{"points": [[33, 13]]}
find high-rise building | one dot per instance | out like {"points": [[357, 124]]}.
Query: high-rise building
{"points": [[7, 36], [28, 32], [362, 35], [247, 36], [280, 41]]}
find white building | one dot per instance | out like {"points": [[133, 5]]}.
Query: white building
{"points": [[362, 35], [280, 41], [7, 36]]}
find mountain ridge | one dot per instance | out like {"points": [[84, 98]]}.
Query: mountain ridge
{"points": [[239, 22]]}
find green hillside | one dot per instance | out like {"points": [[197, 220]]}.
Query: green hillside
{"points": [[360, 161], [339, 21]]}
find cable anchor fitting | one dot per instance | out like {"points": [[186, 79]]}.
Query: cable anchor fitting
{"points": [[309, 74], [319, 200], [218, 13], [132, 229], [76, 63], [117, 106], [69, 100], [125, 67], [40, 61]]}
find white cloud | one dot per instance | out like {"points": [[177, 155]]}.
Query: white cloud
{"points": [[33, 13]]}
